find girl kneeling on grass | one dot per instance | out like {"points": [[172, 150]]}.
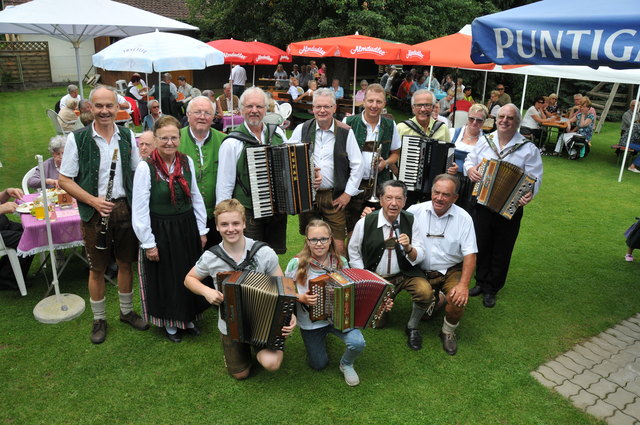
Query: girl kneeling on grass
{"points": [[319, 253]]}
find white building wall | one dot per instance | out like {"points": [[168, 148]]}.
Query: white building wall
{"points": [[62, 57]]}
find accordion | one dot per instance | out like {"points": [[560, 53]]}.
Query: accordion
{"points": [[280, 178], [350, 298], [501, 186], [256, 307], [422, 159]]}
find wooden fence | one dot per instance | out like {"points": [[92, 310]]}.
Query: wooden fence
{"points": [[24, 62]]}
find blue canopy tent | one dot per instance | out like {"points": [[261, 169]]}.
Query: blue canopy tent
{"points": [[572, 32]]}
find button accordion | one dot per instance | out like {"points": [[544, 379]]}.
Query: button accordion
{"points": [[350, 298], [280, 178], [501, 186], [256, 307], [422, 159]]}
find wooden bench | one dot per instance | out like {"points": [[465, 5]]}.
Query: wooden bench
{"points": [[620, 150]]}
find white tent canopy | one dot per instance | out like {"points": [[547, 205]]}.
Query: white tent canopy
{"points": [[79, 20]]}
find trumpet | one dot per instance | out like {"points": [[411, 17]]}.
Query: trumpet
{"points": [[375, 148]]}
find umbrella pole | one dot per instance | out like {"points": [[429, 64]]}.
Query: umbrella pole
{"points": [[353, 99], [254, 78], [633, 119], [524, 92], [430, 76], [455, 99], [558, 87], [76, 48], [160, 94], [484, 86]]}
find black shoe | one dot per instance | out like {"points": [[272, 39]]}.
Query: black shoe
{"points": [[449, 343], [173, 337], [414, 339], [194, 331], [99, 331], [475, 291], [489, 300]]}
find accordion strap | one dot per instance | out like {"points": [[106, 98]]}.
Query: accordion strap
{"points": [[414, 127], [219, 252]]}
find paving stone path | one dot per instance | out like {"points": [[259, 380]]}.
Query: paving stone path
{"points": [[602, 375]]}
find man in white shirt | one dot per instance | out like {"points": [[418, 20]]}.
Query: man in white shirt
{"points": [[450, 242], [388, 243], [496, 235], [337, 156], [85, 175], [72, 93], [233, 169], [238, 79]]}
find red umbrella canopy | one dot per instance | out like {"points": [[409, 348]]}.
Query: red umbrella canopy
{"points": [[451, 51], [356, 46], [236, 51], [271, 55]]}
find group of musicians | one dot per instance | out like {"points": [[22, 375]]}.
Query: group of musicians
{"points": [[429, 249]]}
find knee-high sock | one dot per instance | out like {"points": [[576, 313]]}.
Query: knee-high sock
{"points": [[416, 315], [126, 302], [98, 309]]}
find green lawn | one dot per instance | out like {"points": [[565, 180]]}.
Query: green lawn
{"points": [[568, 281]]}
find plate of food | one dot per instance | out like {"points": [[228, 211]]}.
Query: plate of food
{"points": [[24, 208]]}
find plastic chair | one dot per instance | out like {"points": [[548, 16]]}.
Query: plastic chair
{"points": [[285, 110], [57, 123], [273, 118], [15, 265], [121, 87], [460, 119], [25, 179]]}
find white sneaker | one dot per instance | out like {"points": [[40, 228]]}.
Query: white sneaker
{"points": [[350, 375]]}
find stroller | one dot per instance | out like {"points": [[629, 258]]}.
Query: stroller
{"points": [[577, 147]]}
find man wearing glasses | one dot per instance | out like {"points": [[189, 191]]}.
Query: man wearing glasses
{"points": [[202, 143], [337, 158], [504, 97], [450, 241], [233, 171], [388, 243], [496, 234]]}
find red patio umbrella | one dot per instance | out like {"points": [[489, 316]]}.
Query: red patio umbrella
{"points": [[358, 47]]}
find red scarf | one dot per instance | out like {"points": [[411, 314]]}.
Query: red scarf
{"points": [[159, 163]]}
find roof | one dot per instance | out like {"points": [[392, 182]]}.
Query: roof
{"points": [[175, 9]]}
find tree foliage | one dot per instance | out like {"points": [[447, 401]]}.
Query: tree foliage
{"points": [[281, 22]]}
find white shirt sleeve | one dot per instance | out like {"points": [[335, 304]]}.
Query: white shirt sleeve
{"points": [[396, 142], [416, 242], [197, 201], [70, 162], [228, 155], [356, 164], [135, 153], [472, 158], [296, 136], [355, 245], [140, 219]]}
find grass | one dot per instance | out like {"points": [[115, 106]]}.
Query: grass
{"points": [[567, 282]]}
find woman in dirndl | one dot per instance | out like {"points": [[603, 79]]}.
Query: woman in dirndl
{"points": [[169, 219]]}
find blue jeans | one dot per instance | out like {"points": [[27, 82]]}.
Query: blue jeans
{"points": [[636, 147], [315, 343]]}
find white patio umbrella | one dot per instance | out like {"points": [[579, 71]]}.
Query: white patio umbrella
{"points": [[76, 21], [157, 51]]}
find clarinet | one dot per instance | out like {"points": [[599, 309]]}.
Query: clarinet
{"points": [[101, 242]]}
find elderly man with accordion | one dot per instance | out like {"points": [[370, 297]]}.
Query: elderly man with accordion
{"points": [[508, 169]]}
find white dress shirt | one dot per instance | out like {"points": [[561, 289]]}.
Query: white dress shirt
{"points": [[71, 164], [228, 156], [459, 238], [238, 76], [384, 267], [140, 218], [527, 157], [323, 157], [372, 134], [67, 97]]}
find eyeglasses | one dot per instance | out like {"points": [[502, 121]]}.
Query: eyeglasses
{"points": [[258, 107], [499, 88], [167, 139], [155, 107], [423, 105], [316, 241], [319, 107], [475, 120], [201, 113]]}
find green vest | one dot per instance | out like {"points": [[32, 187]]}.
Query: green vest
{"points": [[341, 165], [89, 165], [160, 197], [385, 136], [206, 167], [373, 246], [242, 190]]}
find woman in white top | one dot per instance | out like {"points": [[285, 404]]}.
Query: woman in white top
{"points": [[533, 117], [466, 137]]}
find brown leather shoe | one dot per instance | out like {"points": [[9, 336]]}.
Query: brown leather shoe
{"points": [[449, 343], [99, 331], [475, 291], [135, 321]]}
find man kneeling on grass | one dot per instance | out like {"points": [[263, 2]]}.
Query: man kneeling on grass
{"points": [[235, 247]]}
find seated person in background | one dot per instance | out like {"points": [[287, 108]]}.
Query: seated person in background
{"points": [[86, 118], [533, 117], [445, 104], [280, 73], [467, 94], [493, 105], [319, 253], [187, 91], [322, 75], [573, 111], [431, 82], [435, 114], [294, 89], [633, 144], [626, 118], [72, 93], [447, 83], [234, 248], [67, 115], [152, 117], [308, 95], [84, 105], [217, 123], [137, 89], [552, 105], [419, 84], [404, 91], [504, 96], [336, 89], [582, 123], [305, 77], [51, 165], [388, 87], [227, 102], [360, 93], [296, 71], [11, 233], [387, 73], [146, 144]]}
